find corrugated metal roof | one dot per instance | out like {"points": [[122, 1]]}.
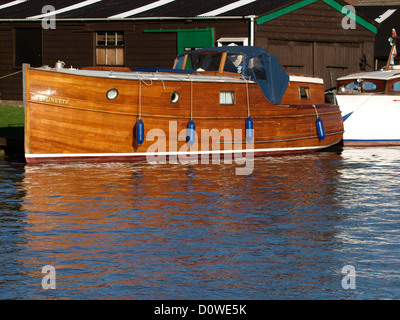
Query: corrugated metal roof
{"points": [[263, 10], [10, 4], [114, 9]]}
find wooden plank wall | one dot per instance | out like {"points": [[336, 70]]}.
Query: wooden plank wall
{"points": [[69, 43], [10, 87], [311, 40], [315, 22]]}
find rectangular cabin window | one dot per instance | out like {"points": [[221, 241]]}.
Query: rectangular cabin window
{"points": [[110, 48], [227, 98], [304, 93]]}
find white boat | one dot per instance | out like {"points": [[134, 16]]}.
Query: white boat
{"points": [[370, 105]]}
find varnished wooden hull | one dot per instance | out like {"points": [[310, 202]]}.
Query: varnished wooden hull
{"points": [[69, 118]]}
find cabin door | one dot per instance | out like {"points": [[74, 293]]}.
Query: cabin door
{"points": [[28, 47]]}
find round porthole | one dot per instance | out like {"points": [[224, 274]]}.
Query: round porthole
{"points": [[112, 94], [174, 98]]}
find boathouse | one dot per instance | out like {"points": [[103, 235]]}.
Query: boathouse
{"points": [[318, 37]]}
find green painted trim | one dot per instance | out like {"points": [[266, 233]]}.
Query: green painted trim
{"points": [[337, 6], [283, 11], [367, 25]]}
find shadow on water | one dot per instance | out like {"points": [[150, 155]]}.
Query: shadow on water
{"points": [[12, 143]]}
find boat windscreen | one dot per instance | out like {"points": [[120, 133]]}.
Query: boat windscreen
{"points": [[206, 61]]}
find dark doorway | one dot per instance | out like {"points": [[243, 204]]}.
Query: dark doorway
{"points": [[28, 46]]}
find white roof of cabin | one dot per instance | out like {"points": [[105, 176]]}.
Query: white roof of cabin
{"points": [[378, 75]]}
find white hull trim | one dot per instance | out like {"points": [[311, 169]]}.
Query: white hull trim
{"points": [[110, 156]]}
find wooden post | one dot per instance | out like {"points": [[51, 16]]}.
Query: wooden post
{"points": [[390, 56], [26, 97], [394, 36]]}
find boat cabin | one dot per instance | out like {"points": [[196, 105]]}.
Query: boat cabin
{"points": [[383, 81], [249, 63]]}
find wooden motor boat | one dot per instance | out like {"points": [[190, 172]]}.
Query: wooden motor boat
{"points": [[225, 100]]}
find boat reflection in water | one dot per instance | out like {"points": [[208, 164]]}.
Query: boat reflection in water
{"points": [[123, 230], [140, 231]]}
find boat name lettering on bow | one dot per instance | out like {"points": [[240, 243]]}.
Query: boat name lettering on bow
{"points": [[53, 100]]}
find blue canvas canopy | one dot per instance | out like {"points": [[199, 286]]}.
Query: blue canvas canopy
{"points": [[257, 65]]}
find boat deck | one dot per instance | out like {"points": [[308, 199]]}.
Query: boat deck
{"points": [[172, 76]]}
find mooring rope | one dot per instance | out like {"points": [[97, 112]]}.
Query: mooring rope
{"points": [[11, 74], [247, 96], [315, 108], [144, 82], [140, 99], [191, 98]]}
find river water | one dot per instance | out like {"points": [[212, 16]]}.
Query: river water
{"points": [[324, 225]]}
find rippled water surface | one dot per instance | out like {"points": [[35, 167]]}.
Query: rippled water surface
{"points": [[142, 231]]}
